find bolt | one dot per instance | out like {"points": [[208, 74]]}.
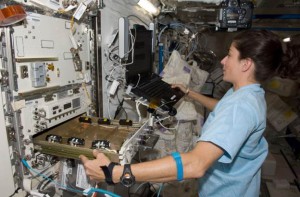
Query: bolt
{"points": [[27, 142], [32, 149], [16, 177], [28, 157], [8, 114]]}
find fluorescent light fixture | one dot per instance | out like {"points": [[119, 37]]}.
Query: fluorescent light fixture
{"points": [[288, 39], [148, 6]]}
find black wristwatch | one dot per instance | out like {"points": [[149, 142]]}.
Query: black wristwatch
{"points": [[127, 179]]}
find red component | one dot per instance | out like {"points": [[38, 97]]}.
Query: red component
{"points": [[11, 14]]}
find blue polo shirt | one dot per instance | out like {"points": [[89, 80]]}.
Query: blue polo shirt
{"points": [[236, 125]]}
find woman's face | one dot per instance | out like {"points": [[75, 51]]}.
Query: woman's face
{"points": [[231, 64]]}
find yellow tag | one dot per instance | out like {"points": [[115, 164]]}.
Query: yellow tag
{"points": [[288, 114], [274, 84]]}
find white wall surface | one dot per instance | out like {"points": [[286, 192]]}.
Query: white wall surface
{"points": [[7, 187]]}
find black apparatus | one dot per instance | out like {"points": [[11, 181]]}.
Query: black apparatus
{"points": [[145, 83], [236, 14]]}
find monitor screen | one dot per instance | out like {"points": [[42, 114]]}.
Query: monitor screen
{"points": [[142, 62]]}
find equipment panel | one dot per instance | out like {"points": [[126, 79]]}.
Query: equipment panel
{"points": [[50, 52], [46, 64]]}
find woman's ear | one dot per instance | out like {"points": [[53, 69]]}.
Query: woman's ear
{"points": [[247, 63]]}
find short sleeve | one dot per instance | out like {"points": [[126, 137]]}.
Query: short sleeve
{"points": [[229, 128]]}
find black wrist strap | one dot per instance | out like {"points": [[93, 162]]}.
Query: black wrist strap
{"points": [[108, 172]]}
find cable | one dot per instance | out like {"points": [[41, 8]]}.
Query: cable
{"points": [[137, 83], [131, 50], [41, 186], [139, 19], [47, 178], [85, 192], [135, 193], [161, 119], [115, 58], [174, 128], [186, 42], [120, 106], [163, 104], [151, 185], [160, 189], [107, 93], [137, 104], [160, 33], [139, 187]]}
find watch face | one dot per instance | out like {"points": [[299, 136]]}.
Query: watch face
{"points": [[127, 180]]}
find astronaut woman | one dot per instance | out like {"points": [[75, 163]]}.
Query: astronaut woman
{"points": [[229, 153]]}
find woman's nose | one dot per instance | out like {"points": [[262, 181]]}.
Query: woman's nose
{"points": [[223, 61]]}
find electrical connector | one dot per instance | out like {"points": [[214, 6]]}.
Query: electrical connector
{"points": [[119, 108], [114, 87], [104, 121], [125, 122], [186, 31]]}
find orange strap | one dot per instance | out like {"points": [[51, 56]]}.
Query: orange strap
{"points": [[11, 14]]}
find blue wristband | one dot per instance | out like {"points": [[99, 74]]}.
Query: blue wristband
{"points": [[176, 156]]}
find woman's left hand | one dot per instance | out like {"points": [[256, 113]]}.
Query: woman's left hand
{"points": [[180, 86]]}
